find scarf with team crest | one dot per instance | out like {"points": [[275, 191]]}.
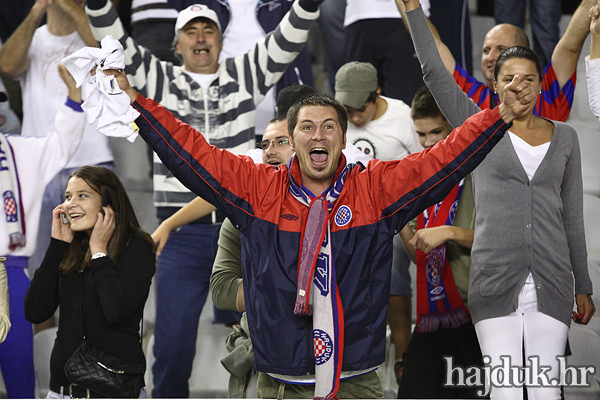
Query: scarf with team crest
{"points": [[11, 196], [438, 301], [317, 292]]}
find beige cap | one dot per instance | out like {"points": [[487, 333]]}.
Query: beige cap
{"points": [[354, 82], [196, 11]]}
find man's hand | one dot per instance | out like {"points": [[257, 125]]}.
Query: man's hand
{"points": [[123, 82], [160, 237], [518, 98], [40, 6], [74, 91], [429, 238]]}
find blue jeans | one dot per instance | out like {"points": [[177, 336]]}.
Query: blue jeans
{"points": [[182, 284], [16, 352], [544, 16]]}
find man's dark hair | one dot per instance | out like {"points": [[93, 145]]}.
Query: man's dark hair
{"points": [[424, 105], [317, 100], [289, 95]]}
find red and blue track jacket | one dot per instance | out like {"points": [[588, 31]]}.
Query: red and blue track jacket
{"points": [[375, 202]]}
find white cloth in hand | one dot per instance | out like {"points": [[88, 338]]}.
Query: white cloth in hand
{"points": [[104, 100]]}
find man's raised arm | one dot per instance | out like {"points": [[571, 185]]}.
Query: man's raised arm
{"points": [[13, 55], [569, 47]]}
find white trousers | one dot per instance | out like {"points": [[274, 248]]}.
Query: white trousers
{"points": [[525, 330]]}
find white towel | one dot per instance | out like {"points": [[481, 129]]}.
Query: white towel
{"points": [[104, 100]]}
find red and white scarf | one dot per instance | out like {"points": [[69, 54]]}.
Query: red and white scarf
{"points": [[438, 300], [317, 292], [11, 196]]}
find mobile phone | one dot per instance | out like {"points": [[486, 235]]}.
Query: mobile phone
{"points": [[64, 219]]}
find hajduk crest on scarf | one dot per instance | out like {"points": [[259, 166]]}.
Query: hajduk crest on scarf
{"points": [[317, 292], [104, 100], [11, 195], [438, 301]]}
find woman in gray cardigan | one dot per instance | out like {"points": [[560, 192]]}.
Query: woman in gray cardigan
{"points": [[529, 238]]}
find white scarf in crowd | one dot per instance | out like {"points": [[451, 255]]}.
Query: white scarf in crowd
{"points": [[11, 195]]}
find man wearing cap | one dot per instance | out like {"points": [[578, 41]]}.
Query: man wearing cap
{"points": [[382, 127], [219, 100]]}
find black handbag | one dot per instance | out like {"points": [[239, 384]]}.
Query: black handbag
{"points": [[104, 373]]}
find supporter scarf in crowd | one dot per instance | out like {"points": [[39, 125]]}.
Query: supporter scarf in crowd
{"points": [[438, 301], [317, 293], [11, 195]]}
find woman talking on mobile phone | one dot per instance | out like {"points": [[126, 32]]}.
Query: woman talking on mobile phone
{"points": [[98, 269]]}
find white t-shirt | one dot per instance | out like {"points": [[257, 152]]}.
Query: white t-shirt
{"points": [[357, 10], [43, 92], [243, 32], [530, 156], [389, 137]]}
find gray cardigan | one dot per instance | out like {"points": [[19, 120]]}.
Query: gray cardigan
{"points": [[521, 226]]}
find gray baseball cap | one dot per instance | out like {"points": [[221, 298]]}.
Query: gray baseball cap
{"points": [[354, 82]]}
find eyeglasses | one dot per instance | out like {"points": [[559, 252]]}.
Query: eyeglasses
{"points": [[277, 144]]}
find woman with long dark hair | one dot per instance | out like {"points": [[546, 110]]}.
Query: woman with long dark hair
{"points": [[98, 269]]}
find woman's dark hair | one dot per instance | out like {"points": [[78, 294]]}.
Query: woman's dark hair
{"points": [[105, 182], [517, 52]]}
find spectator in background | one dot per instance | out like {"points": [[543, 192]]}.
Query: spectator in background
{"points": [[382, 128], [439, 243], [558, 85], [375, 34], [31, 55], [219, 99], [98, 270], [31, 163], [592, 62], [153, 26], [9, 122], [544, 17]]}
